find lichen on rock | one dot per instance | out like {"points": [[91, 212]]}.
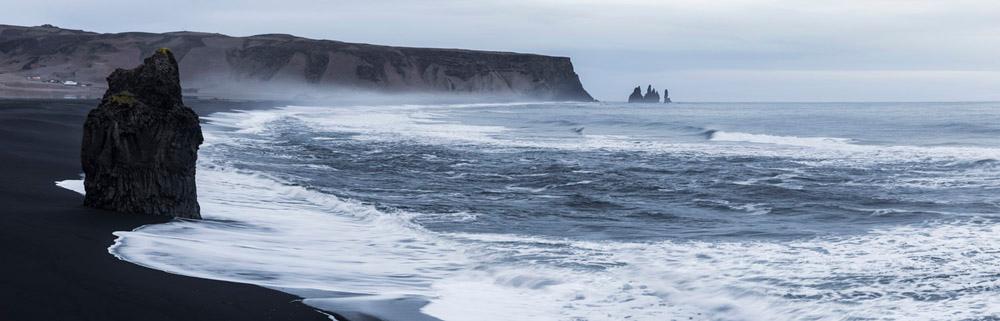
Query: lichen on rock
{"points": [[124, 98]]}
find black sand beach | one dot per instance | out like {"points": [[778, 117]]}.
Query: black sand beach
{"points": [[55, 263]]}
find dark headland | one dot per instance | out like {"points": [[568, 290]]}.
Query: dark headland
{"points": [[52, 62]]}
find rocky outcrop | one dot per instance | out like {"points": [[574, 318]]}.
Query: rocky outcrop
{"points": [[666, 96], [651, 96], [636, 96], [242, 67], [141, 143]]}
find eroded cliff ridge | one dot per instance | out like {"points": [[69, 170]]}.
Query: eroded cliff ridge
{"points": [[141, 143], [220, 63]]}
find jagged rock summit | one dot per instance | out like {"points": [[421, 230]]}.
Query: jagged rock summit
{"points": [[651, 96], [141, 143], [636, 96]]}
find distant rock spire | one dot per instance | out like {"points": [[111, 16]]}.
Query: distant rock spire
{"points": [[651, 95], [666, 96], [636, 96]]}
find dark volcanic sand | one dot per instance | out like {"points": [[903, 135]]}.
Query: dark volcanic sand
{"points": [[54, 262]]}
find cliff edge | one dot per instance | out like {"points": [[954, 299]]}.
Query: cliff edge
{"points": [[228, 67]]}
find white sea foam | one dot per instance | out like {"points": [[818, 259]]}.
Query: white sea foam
{"points": [[935, 272], [369, 122], [287, 236], [75, 185], [429, 124], [821, 142], [260, 230]]}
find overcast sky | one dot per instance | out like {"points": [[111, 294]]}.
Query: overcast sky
{"points": [[719, 50]]}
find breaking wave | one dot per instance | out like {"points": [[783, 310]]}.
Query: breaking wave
{"points": [[260, 231], [819, 142], [442, 212]]}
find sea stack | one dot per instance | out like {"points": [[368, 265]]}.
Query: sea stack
{"points": [[651, 95], [666, 96], [636, 96], [141, 143]]}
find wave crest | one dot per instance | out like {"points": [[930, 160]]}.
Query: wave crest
{"points": [[821, 142]]}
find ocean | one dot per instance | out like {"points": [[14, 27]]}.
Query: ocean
{"points": [[601, 211]]}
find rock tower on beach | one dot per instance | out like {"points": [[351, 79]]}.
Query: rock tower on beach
{"points": [[141, 143]]}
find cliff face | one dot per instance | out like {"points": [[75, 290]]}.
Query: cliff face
{"points": [[215, 62]]}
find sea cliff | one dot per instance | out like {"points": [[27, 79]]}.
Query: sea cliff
{"points": [[49, 60]]}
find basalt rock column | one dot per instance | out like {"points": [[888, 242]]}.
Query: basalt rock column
{"points": [[141, 143]]}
